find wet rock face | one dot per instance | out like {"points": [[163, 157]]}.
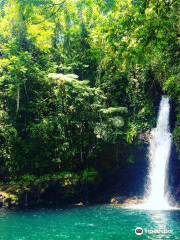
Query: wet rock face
{"points": [[116, 200], [173, 168], [122, 200], [129, 180], [173, 178]]}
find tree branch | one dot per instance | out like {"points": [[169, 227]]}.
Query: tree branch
{"points": [[60, 5]]}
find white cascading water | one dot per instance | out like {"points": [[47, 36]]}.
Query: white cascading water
{"points": [[159, 153]]}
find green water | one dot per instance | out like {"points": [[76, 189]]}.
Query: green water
{"points": [[87, 223]]}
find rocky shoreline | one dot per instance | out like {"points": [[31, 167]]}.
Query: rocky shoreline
{"points": [[8, 199], [18, 196]]}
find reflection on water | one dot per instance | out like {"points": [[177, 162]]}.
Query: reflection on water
{"points": [[87, 223], [158, 221]]}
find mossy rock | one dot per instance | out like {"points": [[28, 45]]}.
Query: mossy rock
{"points": [[9, 198]]}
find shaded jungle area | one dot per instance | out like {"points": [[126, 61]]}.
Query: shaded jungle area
{"points": [[80, 84]]}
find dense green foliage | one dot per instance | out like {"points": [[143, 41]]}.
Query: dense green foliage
{"points": [[78, 77]]}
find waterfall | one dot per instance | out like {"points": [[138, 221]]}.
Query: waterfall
{"points": [[26, 199], [3, 205], [159, 152]]}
